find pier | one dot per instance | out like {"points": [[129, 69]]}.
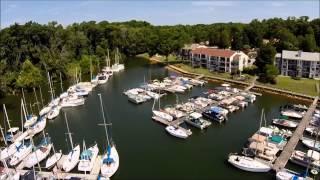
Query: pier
{"points": [[59, 174], [285, 155]]}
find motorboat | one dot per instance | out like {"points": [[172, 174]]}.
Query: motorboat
{"points": [[285, 123], [102, 78], [311, 158], [174, 112], [87, 158], [72, 159], [53, 159], [110, 162], [292, 114], [286, 174], [313, 130], [162, 115], [54, 112], [177, 132], [188, 107], [136, 99], [213, 115], [41, 152], [23, 150], [312, 144], [248, 164], [195, 119], [31, 119]]}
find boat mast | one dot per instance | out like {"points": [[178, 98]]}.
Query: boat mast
{"points": [[3, 136], [314, 147], [24, 100], [80, 75], [41, 97], [49, 79], [5, 112], [61, 86], [35, 95], [108, 60], [104, 119], [53, 92], [70, 136], [90, 69]]}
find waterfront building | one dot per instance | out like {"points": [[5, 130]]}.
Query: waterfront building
{"points": [[298, 64], [220, 60]]}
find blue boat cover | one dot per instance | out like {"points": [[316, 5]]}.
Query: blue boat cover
{"points": [[87, 154]]}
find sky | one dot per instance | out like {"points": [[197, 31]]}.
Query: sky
{"points": [[165, 12]]}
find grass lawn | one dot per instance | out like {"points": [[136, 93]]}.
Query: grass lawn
{"points": [[170, 58], [305, 86]]}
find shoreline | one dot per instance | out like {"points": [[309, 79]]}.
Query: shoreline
{"points": [[257, 87]]}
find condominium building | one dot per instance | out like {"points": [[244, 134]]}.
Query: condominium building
{"points": [[298, 64], [220, 60]]}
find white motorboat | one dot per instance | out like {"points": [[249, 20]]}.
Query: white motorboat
{"points": [[312, 144], [248, 164], [102, 78], [285, 123], [44, 110], [312, 130], [136, 99], [311, 158], [285, 174], [195, 119], [39, 154], [52, 160], [22, 152], [87, 158], [292, 114], [154, 95], [162, 115], [177, 132], [54, 112], [110, 162]]}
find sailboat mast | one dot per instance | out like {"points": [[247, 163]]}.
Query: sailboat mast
{"points": [[36, 97], [3, 136], [80, 75], [108, 62], [41, 97], [61, 86], [90, 69], [24, 100], [70, 137], [24, 110], [104, 118], [49, 79], [22, 114], [5, 112]]}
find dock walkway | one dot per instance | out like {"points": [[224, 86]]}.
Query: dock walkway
{"points": [[291, 145]]}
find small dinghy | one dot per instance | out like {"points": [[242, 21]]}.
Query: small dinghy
{"points": [[177, 132], [248, 164]]}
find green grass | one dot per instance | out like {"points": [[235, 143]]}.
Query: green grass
{"points": [[170, 58], [304, 86]]}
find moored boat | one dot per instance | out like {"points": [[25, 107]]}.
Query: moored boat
{"points": [[248, 164], [177, 132]]}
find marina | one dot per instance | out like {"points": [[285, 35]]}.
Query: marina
{"points": [[133, 123]]}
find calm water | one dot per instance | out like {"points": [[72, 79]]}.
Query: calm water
{"points": [[146, 150]]}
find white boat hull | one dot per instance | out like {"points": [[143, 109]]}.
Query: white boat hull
{"points": [[51, 161], [86, 165], [108, 170], [72, 159], [248, 164]]}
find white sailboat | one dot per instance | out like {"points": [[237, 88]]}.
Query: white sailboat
{"points": [[88, 157], [40, 153], [54, 112], [116, 67], [52, 160], [110, 160], [30, 118], [9, 150], [107, 69], [160, 114], [7, 173], [73, 157], [248, 164]]}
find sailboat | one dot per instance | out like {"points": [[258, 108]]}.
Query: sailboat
{"points": [[53, 102], [52, 160], [39, 154], [116, 67], [24, 148], [110, 160], [30, 118], [7, 173], [72, 158], [9, 150], [88, 157]]}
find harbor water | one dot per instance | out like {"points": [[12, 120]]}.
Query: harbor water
{"points": [[146, 150]]}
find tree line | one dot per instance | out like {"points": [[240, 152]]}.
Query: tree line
{"points": [[30, 50]]}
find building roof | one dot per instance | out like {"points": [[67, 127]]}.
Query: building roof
{"points": [[300, 55], [214, 52]]}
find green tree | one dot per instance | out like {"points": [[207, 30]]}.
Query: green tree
{"points": [[308, 43], [30, 76]]}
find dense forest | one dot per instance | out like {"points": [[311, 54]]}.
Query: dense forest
{"points": [[29, 51]]}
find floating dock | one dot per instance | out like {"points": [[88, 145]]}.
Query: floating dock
{"points": [[285, 155]]}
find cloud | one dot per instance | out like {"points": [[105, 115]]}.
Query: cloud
{"points": [[213, 3]]}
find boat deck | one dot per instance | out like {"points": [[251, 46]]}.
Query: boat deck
{"points": [[292, 143]]}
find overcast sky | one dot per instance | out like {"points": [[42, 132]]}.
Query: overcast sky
{"points": [[165, 12]]}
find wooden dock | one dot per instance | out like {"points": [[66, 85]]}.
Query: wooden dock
{"points": [[298, 133], [59, 174], [176, 122]]}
